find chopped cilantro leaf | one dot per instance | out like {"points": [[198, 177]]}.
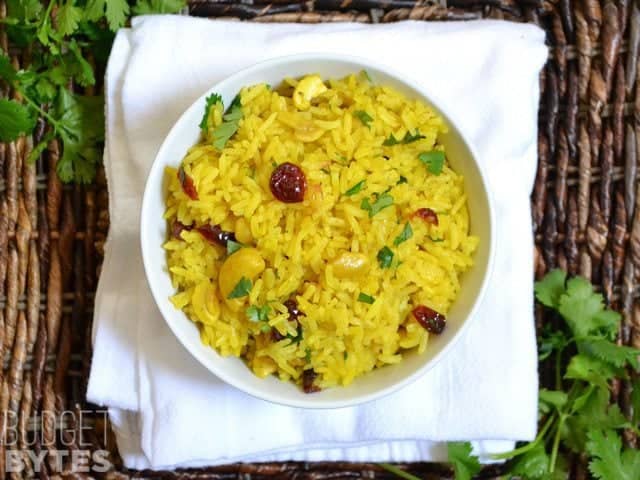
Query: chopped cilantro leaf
{"points": [[391, 141], [356, 188], [408, 138], [307, 355], [406, 234], [258, 314], [242, 289], [402, 179], [385, 257], [364, 298], [364, 117], [297, 338], [382, 201], [210, 101], [366, 75], [227, 128], [233, 247], [434, 161]]}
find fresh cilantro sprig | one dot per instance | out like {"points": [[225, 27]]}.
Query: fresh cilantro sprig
{"points": [[576, 417], [58, 33], [465, 465]]}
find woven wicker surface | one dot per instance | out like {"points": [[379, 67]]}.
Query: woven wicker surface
{"points": [[584, 213]]}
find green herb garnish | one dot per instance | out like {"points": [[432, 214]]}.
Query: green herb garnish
{"points": [[242, 289], [464, 464], [408, 138], [210, 101], [229, 126], [297, 338], [233, 247], [434, 161], [406, 234], [15, 119], [307, 354], [364, 298], [356, 188], [382, 201], [364, 117], [385, 257], [576, 417], [402, 179], [258, 314], [366, 75], [58, 33]]}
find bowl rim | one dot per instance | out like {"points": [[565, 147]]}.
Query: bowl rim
{"points": [[163, 303]]}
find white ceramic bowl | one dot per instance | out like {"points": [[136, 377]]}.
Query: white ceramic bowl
{"points": [[186, 133]]}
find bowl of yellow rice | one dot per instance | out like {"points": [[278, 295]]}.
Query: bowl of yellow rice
{"points": [[316, 231]]}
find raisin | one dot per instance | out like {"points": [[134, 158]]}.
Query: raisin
{"points": [[288, 183], [188, 187], [177, 228], [427, 215], [276, 336], [215, 234], [294, 314], [308, 377], [429, 319], [294, 311]]}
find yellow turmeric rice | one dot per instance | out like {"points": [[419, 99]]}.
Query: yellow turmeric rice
{"points": [[317, 231]]}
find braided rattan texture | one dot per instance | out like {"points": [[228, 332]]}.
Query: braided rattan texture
{"points": [[585, 213]]}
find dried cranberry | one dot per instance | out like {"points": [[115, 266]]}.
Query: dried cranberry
{"points": [[187, 184], [427, 215], [294, 311], [276, 336], [177, 228], [308, 377], [288, 183], [215, 234], [431, 320]]}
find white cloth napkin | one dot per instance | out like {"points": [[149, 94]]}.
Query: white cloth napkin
{"points": [[168, 410]]}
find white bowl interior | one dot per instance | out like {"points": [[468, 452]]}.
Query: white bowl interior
{"points": [[186, 133]]}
